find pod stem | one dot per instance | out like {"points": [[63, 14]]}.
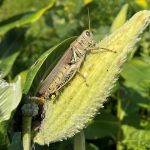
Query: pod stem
{"points": [[26, 132], [79, 141]]}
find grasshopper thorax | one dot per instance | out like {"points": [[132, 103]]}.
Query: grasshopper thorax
{"points": [[84, 41]]}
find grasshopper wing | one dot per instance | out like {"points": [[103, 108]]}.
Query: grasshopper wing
{"points": [[64, 60]]}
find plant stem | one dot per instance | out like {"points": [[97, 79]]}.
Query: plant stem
{"points": [[79, 141], [120, 117], [26, 132]]}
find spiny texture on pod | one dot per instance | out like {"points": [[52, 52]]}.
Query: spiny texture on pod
{"points": [[78, 103]]}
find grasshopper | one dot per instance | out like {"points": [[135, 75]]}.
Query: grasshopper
{"points": [[68, 65]]}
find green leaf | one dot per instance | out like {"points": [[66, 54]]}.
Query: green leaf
{"points": [[10, 96], [43, 65], [7, 63], [106, 125], [91, 147], [10, 49], [16, 142], [25, 19], [120, 19], [130, 100], [4, 142], [23, 76], [136, 138], [137, 76]]}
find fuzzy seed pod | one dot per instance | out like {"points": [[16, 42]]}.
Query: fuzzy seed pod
{"points": [[78, 103]]}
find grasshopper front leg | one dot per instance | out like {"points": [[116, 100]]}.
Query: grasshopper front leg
{"points": [[81, 57], [96, 49]]}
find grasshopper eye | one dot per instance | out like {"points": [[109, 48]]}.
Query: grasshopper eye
{"points": [[87, 33]]}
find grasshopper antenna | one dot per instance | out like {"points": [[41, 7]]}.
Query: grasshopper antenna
{"points": [[105, 49], [89, 19]]}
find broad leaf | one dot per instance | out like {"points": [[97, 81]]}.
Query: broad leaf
{"points": [[24, 19], [10, 48], [137, 76], [43, 65], [130, 100], [106, 125], [138, 139], [10, 96]]}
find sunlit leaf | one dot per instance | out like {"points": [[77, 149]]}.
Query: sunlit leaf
{"points": [[43, 65], [136, 138], [25, 19], [120, 19], [10, 96]]}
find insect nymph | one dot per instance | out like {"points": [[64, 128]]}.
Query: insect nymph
{"points": [[68, 65]]}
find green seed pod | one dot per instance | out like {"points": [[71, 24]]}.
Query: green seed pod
{"points": [[78, 103]]}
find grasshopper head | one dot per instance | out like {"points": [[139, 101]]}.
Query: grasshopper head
{"points": [[88, 36]]}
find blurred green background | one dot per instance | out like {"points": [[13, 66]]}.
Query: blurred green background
{"points": [[25, 34]]}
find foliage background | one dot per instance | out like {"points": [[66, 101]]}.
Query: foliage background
{"points": [[124, 121]]}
